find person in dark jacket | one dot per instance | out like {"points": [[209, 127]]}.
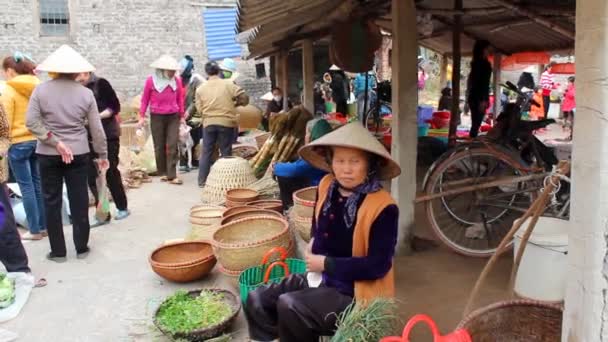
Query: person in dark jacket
{"points": [[479, 85], [275, 106], [339, 89], [445, 101], [300, 174], [108, 106], [194, 119]]}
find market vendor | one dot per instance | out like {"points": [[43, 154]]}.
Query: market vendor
{"points": [[300, 174], [350, 257]]}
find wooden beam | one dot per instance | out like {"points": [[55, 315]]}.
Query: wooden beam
{"points": [[404, 123], [465, 11], [537, 18], [455, 117], [308, 73]]}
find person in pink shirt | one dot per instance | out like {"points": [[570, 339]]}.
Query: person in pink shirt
{"points": [[569, 105], [163, 95]]}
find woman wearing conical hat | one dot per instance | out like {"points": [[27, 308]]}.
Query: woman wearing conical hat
{"points": [[350, 257], [57, 113], [164, 96]]}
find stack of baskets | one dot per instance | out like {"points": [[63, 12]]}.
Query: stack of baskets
{"points": [[246, 211], [239, 197], [204, 221], [227, 173], [304, 201], [268, 204], [241, 244], [183, 262]]}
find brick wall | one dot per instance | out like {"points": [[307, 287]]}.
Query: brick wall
{"points": [[120, 37]]}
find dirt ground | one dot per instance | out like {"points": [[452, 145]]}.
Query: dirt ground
{"points": [[111, 296]]}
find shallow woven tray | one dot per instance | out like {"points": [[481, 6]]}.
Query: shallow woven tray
{"points": [[269, 204], [242, 244], [238, 209], [249, 213], [210, 332], [242, 195], [181, 253], [515, 321], [304, 201]]}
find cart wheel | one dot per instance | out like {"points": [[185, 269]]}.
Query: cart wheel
{"points": [[474, 223]]}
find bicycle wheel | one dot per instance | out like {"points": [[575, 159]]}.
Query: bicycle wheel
{"points": [[474, 223]]}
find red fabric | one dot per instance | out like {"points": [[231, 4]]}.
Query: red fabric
{"points": [[564, 69], [569, 102]]}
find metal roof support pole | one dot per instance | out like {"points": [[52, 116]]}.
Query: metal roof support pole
{"points": [[456, 57], [496, 73], [586, 309], [308, 75], [404, 124]]}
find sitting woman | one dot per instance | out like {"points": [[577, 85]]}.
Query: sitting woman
{"points": [[300, 174], [350, 257]]}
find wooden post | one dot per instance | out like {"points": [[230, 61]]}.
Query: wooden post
{"points": [[496, 83], [443, 73], [284, 80], [404, 126], [278, 70], [308, 75], [586, 306], [456, 53]]}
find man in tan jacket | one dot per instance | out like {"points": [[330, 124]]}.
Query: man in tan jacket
{"points": [[217, 100]]}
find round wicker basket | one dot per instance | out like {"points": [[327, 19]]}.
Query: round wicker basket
{"points": [[243, 243], [275, 205], [183, 262], [240, 196], [515, 321], [204, 221], [249, 213], [304, 201], [238, 209], [227, 173], [302, 225]]}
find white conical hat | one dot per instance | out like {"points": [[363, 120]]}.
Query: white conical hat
{"points": [[267, 97], [165, 62], [315, 153], [65, 60]]}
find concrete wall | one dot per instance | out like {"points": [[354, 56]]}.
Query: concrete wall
{"points": [[120, 37]]}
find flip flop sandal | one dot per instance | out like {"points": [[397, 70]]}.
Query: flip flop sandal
{"points": [[40, 283], [176, 181], [164, 179], [146, 180]]}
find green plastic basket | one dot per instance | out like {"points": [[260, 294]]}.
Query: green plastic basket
{"points": [[257, 276]]}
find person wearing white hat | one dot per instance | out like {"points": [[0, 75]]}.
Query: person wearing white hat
{"points": [[275, 106], [228, 67], [57, 114], [164, 96], [354, 235]]}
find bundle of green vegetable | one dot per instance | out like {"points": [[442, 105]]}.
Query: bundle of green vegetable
{"points": [[367, 323], [182, 313], [7, 291]]}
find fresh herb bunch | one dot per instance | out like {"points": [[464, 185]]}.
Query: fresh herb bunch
{"points": [[360, 323], [182, 313]]}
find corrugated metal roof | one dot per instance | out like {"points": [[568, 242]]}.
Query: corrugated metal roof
{"points": [[220, 35], [276, 22]]}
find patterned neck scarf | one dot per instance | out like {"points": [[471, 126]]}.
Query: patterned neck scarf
{"points": [[350, 208], [161, 82]]}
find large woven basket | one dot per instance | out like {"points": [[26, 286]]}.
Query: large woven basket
{"points": [[304, 201], [209, 332], [249, 213], [302, 225], [515, 321], [239, 209], [236, 197], [269, 204], [204, 221], [227, 173], [243, 243], [183, 262]]}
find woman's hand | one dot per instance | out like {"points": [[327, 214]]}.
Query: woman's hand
{"points": [[103, 164], [65, 152], [141, 122], [315, 263]]}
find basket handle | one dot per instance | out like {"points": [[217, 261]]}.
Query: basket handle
{"points": [[272, 251], [276, 263], [405, 337]]}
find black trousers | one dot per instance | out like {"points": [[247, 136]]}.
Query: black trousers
{"points": [[54, 172], [477, 115], [293, 312], [113, 177], [12, 253], [165, 135], [546, 104], [289, 185]]}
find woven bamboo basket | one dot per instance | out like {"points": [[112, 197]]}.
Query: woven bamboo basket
{"points": [[204, 221], [183, 262], [515, 321], [242, 244], [237, 197], [249, 213], [275, 205], [304, 201], [302, 225], [244, 151], [227, 173], [250, 117], [238, 209], [234, 275], [211, 332]]}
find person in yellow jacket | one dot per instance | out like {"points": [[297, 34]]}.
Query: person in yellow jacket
{"points": [[21, 81]]}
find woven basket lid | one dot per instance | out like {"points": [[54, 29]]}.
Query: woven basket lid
{"points": [[227, 173]]}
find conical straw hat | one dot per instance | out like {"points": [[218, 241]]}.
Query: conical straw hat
{"points": [[353, 135], [65, 60], [165, 62]]}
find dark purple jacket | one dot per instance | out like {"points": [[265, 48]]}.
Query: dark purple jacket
{"points": [[106, 99]]}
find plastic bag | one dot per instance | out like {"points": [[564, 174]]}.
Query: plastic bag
{"points": [[146, 158], [102, 212], [184, 133]]}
